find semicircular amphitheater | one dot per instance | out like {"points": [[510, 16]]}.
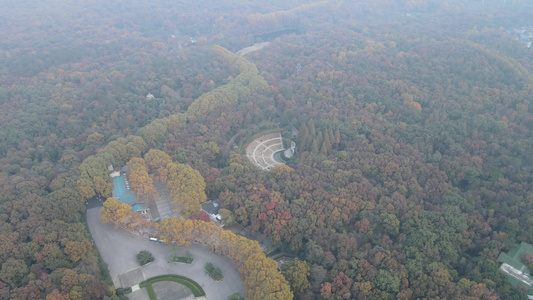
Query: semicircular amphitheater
{"points": [[265, 151]]}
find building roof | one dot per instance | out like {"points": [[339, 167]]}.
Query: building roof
{"points": [[210, 207], [514, 257], [514, 269], [507, 259], [139, 206]]}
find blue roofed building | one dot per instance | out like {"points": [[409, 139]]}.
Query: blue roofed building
{"points": [[121, 191]]}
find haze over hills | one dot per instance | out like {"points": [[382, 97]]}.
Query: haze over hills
{"points": [[413, 167]]}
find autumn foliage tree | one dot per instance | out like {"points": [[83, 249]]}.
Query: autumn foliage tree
{"points": [[94, 178], [202, 216], [297, 272], [140, 181], [186, 187], [527, 258], [115, 212], [157, 162], [428, 183]]}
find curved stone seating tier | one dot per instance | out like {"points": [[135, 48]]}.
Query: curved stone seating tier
{"points": [[261, 151]]}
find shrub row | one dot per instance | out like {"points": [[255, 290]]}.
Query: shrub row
{"points": [[182, 259], [215, 273]]}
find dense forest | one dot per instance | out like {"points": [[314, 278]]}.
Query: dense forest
{"points": [[414, 118]]}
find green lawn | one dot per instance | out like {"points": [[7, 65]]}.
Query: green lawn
{"points": [[191, 284]]}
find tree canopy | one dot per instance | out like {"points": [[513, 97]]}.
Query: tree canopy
{"points": [[412, 121]]}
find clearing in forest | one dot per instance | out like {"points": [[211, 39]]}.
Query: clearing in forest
{"points": [[264, 151]]}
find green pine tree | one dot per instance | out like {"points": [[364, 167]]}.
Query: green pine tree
{"points": [[337, 137], [303, 133], [314, 147], [319, 139], [311, 128], [326, 145]]}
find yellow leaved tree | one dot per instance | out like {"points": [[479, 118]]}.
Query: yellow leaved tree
{"points": [[140, 181], [157, 162], [186, 187], [115, 212]]}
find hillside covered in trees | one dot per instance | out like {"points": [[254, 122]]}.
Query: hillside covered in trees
{"points": [[415, 121]]}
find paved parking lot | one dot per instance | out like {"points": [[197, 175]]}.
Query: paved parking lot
{"points": [[119, 250], [167, 290], [131, 278]]}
